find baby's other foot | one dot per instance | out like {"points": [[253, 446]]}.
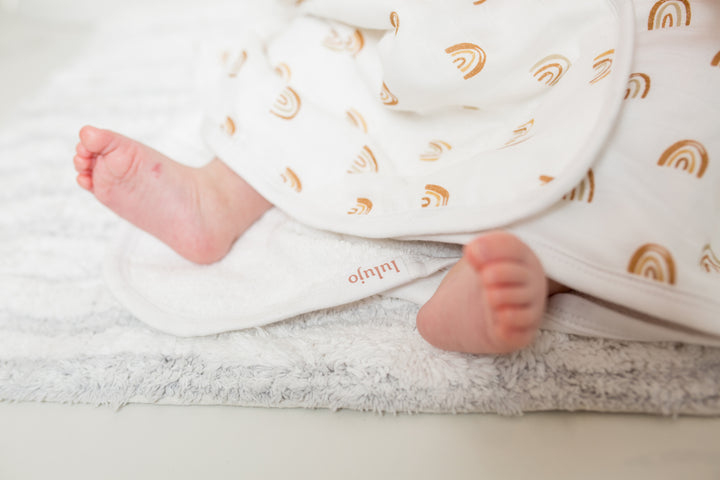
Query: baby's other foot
{"points": [[492, 301], [199, 212]]}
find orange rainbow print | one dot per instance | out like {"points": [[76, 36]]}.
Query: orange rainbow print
{"points": [[551, 69], [545, 179], [351, 44], [654, 262], [709, 260], [602, 65], [585, 191], [639, 84], [478, 2], [291, 178], [520, 134], [365, 162], [395, 21], [387, 97], [234, 62], [437, 196], [287, 105], [364, 206], [357, 119], [686, 155], [669, 13], [468, 57], [716, 60], [436, 150], [229, 126], [283, 70]]}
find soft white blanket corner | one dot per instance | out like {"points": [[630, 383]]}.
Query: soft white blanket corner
{"points": [[63, 338]]}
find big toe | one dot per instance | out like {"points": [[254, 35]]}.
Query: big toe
{"points": [[502, 247], [95, 140]]}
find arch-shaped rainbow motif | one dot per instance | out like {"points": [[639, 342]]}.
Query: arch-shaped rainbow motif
{"points": [[229, 126], [709, 261], [292, 179], [603, 65], [551, 69], [284, 71], [687, 155], [437, 196], [638, 84], [716, 60], [365, 162], [478, 2], [387, 97], [287, 105], [436, 148], [234, 62], [669, 13], [545, 179], [654, 262], [357, 119], [520, 134], [352, 44], [468, 57], [395, 21], [363, 207], [585, 191]]}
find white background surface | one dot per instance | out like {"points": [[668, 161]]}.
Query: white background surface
{"points": [[151, 442]]}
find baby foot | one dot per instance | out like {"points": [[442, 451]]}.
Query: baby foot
{"points": [[199, 212], [492, 301]]}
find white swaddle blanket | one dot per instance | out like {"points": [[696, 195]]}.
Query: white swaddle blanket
{"points": [[587, 128]]}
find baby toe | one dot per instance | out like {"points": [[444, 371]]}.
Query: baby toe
{"points": [[94, 140], [499, 246], [509, 296], [82, 164], [504, 274], [518, 317], [85, 181], [82, 151], [509, 337]]}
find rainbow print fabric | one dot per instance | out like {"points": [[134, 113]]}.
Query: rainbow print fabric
{"points": [[588, 128]]}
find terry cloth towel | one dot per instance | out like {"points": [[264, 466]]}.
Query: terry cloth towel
{"points": [[588, 128]]}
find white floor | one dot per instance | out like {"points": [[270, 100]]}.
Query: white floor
{"points": [[150, 442], [39, 441]]}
